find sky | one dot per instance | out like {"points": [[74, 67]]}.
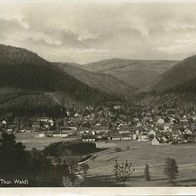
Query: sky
{"points": [[88, 32]]}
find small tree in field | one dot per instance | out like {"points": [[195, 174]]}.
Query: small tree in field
{"points": [[118, 149], [171, 169], [123, 171], [147, 173], [85, 168]]}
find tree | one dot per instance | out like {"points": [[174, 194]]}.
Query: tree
{"points": [[171, 169], [71, 175], [14, 159], [147, 173], [123, 171], [85, 167], [67, 182]]}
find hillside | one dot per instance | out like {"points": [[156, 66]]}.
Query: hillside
{"points": [[176, 88], [102, 82], [21, 68], [138, 73], [23, 74], [181, 76]]}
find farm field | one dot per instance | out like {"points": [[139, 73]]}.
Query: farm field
{"points": [[140, 153], [32, 140]]}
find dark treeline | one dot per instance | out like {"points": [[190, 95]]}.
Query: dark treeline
{"points": [[35, 166]]}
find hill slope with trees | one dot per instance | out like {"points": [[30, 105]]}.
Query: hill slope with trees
{"points": [[27, 78], [138, 73], [182, 75], [100, 81]]}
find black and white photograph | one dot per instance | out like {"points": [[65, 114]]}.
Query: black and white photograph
{"points": [[97, 94]]}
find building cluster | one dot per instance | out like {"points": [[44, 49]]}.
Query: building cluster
{"points": [[117, 122], [155, 125]]}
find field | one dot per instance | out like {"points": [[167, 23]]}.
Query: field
{"points": [[31, 140], [140, 153]]}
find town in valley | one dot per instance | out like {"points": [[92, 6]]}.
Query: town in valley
{"points": [[97, 95]]}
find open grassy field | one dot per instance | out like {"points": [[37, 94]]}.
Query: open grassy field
{"points": [[139, 153], [31, 140]]}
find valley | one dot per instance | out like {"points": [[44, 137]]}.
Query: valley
{"points": [[118, 108]]}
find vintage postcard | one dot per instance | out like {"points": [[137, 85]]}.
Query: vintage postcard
{"points": [[97, 94]]}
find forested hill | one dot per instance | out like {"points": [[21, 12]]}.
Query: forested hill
{"points": [[27, 80]]}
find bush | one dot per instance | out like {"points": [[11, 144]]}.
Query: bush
{"points": [[118, 149], [85, 168], [69, 148]]}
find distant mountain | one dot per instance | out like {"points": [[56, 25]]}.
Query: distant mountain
{"points": [[138, 73], [176, 88], [180, 77], [28, 78], [101, 81]]}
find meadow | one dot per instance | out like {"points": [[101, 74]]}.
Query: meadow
{"points": [[32, 140], [140, 153]]}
